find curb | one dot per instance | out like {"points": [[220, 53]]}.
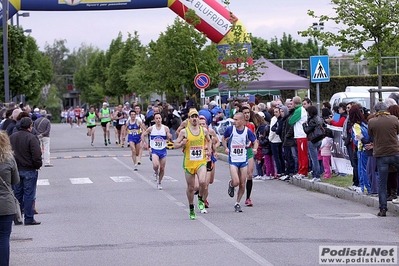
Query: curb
{"points": [[337, 192]]}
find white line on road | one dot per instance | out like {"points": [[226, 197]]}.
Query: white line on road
{"points": [[80, 181], [226, 237], [43, 182], [122, 179]]}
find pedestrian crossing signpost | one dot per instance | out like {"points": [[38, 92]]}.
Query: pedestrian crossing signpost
{"points": [[319, 72], [319, 69]]}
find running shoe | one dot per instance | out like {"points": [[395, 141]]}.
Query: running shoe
{"points": [[135, 167], [230, 191], [105, 142], [201, 205], [159, 187], [92, 144], [204, 211], [109, 142], [237, 208], [116, 143], [139, 162], [206, 204], [192, 214], [248, 202], [155, 176]]}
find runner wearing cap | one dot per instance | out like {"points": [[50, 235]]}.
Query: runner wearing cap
{"points": [[105, 116], [193, 139]]}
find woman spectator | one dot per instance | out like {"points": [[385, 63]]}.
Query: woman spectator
{"points": [[276, 143], [359, 132], [267, 153], [342, 116], [326, 110], [371, 168], [309, 127], [9, 173], [260, 124]]}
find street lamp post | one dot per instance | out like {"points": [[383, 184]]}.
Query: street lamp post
{"points": [[319, 27], [24, 14]]}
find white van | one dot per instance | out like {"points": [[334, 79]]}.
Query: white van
{"points": [[358, 94]]}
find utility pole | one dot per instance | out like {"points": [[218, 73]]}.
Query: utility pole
{"points": [[5, 51]]}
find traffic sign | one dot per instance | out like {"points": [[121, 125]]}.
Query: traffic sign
{"points": [[319, 69], [202, 81]]}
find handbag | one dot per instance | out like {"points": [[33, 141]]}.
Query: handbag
{"points": [[18, 214], [317, 134]]}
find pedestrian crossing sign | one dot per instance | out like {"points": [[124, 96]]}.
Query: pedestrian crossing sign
{"points": [[319, 69]]}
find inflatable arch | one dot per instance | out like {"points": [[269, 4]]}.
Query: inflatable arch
{"points": [[216, 21]]}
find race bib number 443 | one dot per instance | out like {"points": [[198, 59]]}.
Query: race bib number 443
{"points": [[196, 153]]}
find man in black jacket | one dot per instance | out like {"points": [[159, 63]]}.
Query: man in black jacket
{"points": [[28, 156]]}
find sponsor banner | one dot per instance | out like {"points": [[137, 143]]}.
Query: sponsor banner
{"points": [[340, 159], [76, 5], [215, 19]]}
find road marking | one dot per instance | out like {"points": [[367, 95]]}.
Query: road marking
{"points": [[343, 216], [43, 182], [169, 178], [122, 179], [80, 181], [226, 237], [243, 248]]}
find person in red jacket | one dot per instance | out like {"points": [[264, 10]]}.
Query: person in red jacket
{"points": [[342, 116]]}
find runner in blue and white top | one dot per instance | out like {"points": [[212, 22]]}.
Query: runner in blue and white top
{"points": [[158, 135], [134, 129], [235, 141]]}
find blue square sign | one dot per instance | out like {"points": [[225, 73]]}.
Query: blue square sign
{"points": [[319, 69]]}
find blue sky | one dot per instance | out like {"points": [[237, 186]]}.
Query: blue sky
{"points": [[263, 18]]}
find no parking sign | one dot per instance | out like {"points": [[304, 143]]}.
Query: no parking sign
{"points": [[202, 81]]}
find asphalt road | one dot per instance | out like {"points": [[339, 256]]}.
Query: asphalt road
{"points": [[95, 210]]}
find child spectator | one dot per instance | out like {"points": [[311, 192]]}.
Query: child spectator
{"points": [[325, 152]]}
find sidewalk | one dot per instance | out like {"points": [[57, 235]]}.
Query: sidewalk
{"points": [[338, 192]]}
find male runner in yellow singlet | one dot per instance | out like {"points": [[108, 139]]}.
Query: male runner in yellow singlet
{"points": [[194, 138]]}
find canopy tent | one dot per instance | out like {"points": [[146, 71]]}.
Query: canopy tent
{"points": [[273, 78], [215, 92]]}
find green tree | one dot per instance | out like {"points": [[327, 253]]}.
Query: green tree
{"points": [[63, 74], [171, 63], [366, 28], [239, 73], [120, 63], [28, 69], [40, 71], [89, 78]]}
